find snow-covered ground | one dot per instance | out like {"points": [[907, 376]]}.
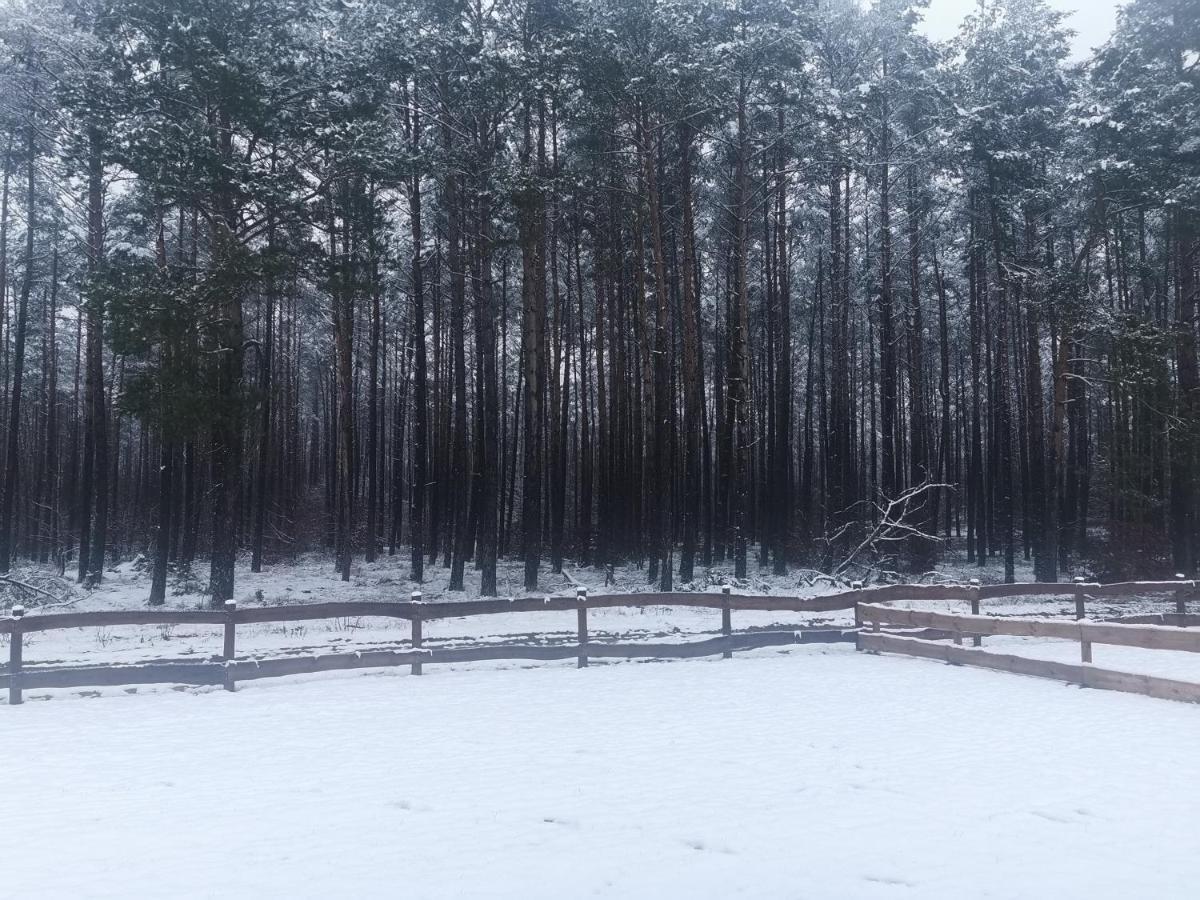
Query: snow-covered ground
{"points": [[815, 772]]}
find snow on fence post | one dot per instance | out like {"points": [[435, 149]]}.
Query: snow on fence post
{"points": [[726, 622], [416, 628], [1079, 599], [976, 640], [14, 658], [1181, 599], [230, 649], [581, 600]]}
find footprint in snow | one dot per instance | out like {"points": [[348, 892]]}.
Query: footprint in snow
{"points": [[894, 882], [1052, 817]]}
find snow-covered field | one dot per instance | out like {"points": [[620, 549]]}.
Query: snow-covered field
{"points": [[816, 772]]}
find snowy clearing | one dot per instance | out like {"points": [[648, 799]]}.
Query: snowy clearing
{"points": [[813, 773]]}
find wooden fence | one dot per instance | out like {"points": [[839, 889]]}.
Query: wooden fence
{"points": [[1146, 634], [230, 668], [869, 604]]}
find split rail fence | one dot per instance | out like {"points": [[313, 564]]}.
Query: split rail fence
{"points": [[229, 668], [1164, 631], [911, 632]]}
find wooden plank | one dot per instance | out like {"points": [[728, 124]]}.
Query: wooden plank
{"points": [[253, 670], [216, 672], [1134, 588], [984, 625], [1020, 665], [54, 621], [1088, 676], [1172, 619], [891, 592], [209, 673], [499, 652], [1147, 637], [1030, 589], [303, 612], [1150, 685]]}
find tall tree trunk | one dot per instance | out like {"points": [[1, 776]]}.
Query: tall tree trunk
{"points": [[420, 412], [1183, 445], [227, 433], [12, 460], [693, 414], [531, 224]]}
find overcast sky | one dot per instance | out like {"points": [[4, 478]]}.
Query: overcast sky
{"points": [[1092, 19]]}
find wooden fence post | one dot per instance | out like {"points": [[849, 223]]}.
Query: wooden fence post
{"points": [[581, 600], [14, 658], [958, 636], [416, 629], [858, 623], [976, 640], [230, 649], [1085, 646], [1181, 600], [726, 622], [858, 617]]}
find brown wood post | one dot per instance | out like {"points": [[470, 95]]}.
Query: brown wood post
{"points": [[957, 636], [726, 622], [230, 649], [976, 640], [1085, 646], [1181, 599], [858, 616], [416, 629], [14, 658], [581, 599]]}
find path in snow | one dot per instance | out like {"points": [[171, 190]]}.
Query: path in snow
{"points": [[814, 773]]}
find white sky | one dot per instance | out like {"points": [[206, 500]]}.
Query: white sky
{"points": [[1092, 19]]}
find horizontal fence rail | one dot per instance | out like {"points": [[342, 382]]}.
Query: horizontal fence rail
{"points": [[1085, 675], [1157, 632], [868, 603], [426, 610], [1148, 637]]}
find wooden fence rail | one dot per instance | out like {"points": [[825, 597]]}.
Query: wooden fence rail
{"points": [[228, 669], [1081, 674], [1148, 637], [1144, 636]]}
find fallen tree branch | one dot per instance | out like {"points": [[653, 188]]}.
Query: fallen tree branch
{"points": [[7, 579]]}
